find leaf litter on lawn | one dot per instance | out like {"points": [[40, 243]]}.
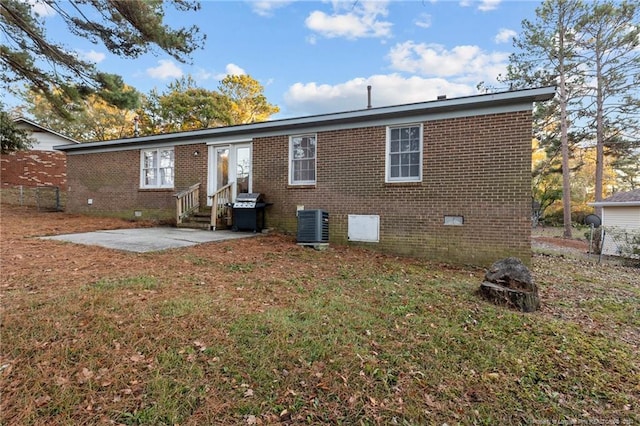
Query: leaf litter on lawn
{"points": [[262, 331]]}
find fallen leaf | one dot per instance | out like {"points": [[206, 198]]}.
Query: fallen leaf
{"points": [[285, 415], [85, 375], [43, 400], [494, 376], [60, 381], [137, 357]]}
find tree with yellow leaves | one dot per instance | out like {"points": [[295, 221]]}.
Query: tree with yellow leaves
{"points": [[185, 106], [90, 119], [248, 103]]}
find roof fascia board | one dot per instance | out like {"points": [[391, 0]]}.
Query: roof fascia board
{"points": [[228, 141], [521, 100], [616, 204], [45, 129]]}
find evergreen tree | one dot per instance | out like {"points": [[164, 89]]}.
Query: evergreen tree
{"points": [[127, 28], [609, 41], [547, 55], [12, 138]]}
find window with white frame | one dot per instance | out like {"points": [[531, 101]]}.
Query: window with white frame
{"points": [[302, 160], [156, 168], [404, 153]]}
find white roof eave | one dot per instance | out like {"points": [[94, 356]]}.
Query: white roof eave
{"points": [[615, 204]]}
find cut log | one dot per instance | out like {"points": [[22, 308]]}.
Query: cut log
{"points": [[525, 301]]}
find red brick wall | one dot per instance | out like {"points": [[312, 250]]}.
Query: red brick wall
{"points": [[477, 167], [34, 168], [112, 181]]}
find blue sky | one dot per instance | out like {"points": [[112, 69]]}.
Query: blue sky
{"points": [[316, 57]]}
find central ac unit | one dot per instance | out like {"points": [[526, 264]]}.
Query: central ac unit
{"points": [[313, 226]]}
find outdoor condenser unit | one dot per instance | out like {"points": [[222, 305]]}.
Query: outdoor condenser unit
{"points": [[313, 226]]}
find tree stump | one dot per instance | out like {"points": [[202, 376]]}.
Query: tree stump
{"points": [[509, 282]]}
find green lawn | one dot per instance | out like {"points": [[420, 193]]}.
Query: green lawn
{"points": [[290, 334]]}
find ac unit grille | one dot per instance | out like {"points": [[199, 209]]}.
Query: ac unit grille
{"points": [[313, 226]]}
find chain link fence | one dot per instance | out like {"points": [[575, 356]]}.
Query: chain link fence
{"points": [[44, 198]]}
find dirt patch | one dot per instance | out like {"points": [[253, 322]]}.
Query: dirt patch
{"points": [[567, 243]]}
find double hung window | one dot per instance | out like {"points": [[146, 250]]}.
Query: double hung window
{"points": [[157, 168], [404, 153], [302, 160]]}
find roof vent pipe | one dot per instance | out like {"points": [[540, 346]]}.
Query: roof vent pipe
{"points": [[136, 130], [368, 97]]}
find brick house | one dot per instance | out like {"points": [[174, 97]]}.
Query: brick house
{"points": [[41, 165], [446, 180], [38, 176]]}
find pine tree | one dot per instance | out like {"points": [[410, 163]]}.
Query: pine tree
{"points": [[547, 56], [609, 41], [127, 28]]}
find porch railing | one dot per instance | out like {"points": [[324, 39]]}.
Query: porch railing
{"points": [[187, 201], [219, 204]]}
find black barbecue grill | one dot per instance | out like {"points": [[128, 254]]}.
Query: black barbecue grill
{"points": [[248, 212]]}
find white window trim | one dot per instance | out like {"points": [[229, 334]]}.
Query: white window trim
{"points": [[315, 159], [142, 176], [387, 176]]}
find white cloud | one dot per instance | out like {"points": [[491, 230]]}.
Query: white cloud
{"points": [[41, 9], [487, 5], [461, 63], [423, 21], [505, 35], [203, 75], [233, 69], [92, 55], [266, 8], [167, 69], [483, 5], [352, 20], [391, 89]]}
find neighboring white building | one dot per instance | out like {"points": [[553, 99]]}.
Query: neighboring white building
{"points": [[621, 221], [45, 139], [40, 165]]}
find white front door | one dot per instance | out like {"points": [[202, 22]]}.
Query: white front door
{"points": [[229, 164]]}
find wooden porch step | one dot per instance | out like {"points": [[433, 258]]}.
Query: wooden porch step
{"points": [[202, 220], [195, 225]]}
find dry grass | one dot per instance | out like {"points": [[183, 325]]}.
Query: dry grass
{"points": [[261, 331]]}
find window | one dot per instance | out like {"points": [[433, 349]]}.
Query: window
{"points": [[302, 160], [404, 153], [156, 168], [454, 220]]}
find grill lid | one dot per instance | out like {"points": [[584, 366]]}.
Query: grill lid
{"points": [[249, 197]]}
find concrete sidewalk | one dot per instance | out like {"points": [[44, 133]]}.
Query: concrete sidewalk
{"points": [[142, 240]]}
